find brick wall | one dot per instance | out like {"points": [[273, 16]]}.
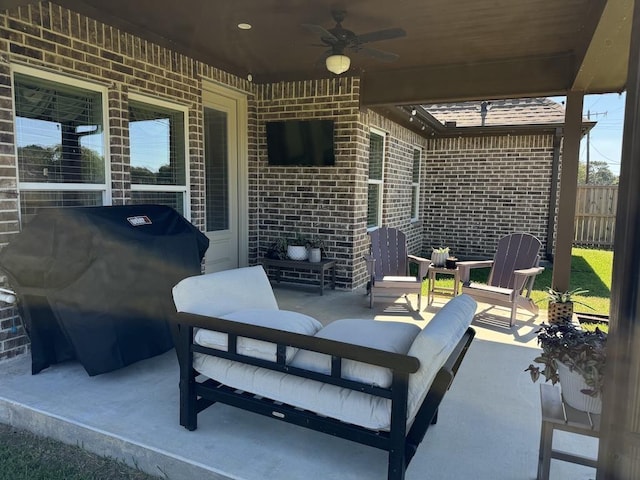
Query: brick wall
{"points": [[312, 201], [479, 189]]}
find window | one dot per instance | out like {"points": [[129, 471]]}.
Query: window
{"points": [[216, 155], [158, 153], [60, 142], [375, 182], [415, 185]]}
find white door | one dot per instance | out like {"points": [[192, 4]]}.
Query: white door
{"points": [[225, 177]]}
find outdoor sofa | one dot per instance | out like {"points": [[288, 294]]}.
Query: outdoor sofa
{"points": [[372, 382]]}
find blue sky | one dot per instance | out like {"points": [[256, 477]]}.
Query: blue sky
{"points": [[605, 138]]}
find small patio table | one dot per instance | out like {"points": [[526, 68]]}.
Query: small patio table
{"points": [[321, 267], [557, 415], [432, 271]]}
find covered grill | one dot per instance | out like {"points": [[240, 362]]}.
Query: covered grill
{"points": [[94, 283]]}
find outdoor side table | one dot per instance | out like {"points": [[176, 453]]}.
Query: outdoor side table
{"points": [[321, 267], [432, 271], [557, 415]]}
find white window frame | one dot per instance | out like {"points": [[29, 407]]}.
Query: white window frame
{"points": [[415, 185], [378, 182], [105, 187], [184, 189]]}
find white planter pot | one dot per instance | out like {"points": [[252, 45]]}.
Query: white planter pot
{"points": [[439, 259], [315, 255], [571, 384], [297, 252]]}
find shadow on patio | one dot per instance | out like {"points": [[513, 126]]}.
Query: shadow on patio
{"points": [[488, 426]]}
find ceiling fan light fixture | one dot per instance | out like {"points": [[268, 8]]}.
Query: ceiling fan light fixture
{"points": [[338, 63]]}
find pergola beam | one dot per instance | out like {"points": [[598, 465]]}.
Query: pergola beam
{"points": [[602, 58], [521, 77]]}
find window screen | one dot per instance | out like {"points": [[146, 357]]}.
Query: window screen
{"points": [[60, 144], [415, 184], [58, 132], [375, 183], [156, 142], [157, 152]]}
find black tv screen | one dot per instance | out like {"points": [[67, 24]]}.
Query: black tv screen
{"points": [[300, 142]]}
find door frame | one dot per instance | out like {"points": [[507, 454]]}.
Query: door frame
{"points": [[242, 147]]}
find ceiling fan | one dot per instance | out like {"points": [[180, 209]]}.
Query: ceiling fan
{"points": [[339, 40]]}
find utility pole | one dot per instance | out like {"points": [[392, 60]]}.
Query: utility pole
{"points": [[596, 114], [586, 177]]}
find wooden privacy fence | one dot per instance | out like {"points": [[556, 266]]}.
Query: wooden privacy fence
{"points": [[595, 221]]}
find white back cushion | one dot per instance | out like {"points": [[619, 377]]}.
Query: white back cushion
{"points": [[216, 294]]}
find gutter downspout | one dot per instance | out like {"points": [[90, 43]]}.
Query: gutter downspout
{"points": [[553, 194]]}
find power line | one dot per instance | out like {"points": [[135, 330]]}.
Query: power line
{"points": [[604, 156]]}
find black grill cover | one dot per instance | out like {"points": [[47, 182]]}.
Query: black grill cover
{"points": [[94, 283]]}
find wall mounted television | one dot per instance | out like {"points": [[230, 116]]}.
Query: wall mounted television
{"points": [[301, 143]]}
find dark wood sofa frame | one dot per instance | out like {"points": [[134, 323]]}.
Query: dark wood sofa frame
{"points": [[401, 445]]}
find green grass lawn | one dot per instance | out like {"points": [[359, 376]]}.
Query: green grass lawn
{"points": [[590, 269], [25, 456]]}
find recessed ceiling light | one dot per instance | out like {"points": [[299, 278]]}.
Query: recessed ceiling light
{"points": [[244, 26]]}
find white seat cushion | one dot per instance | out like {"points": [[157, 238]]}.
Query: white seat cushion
{"points": [[279, 319], [394, 337], [329, 400]]}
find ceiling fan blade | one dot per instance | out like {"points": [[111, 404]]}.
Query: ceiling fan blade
{"points": [[320, 61], [377, 54], [387, 34], [324, 34]]}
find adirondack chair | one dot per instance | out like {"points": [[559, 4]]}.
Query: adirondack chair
{"points": [[513, 271], [388, 266]]}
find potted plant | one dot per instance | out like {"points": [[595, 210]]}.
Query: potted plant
{"points": [[316, 249], [439, 256], [561, 304], [277, 250], [297, 248], [576, 358]]}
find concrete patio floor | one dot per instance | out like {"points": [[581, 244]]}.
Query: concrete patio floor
{"points": [[488, 426]]}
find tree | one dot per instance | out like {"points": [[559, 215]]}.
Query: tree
{"points": [[38, 163], [599, 174]]}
